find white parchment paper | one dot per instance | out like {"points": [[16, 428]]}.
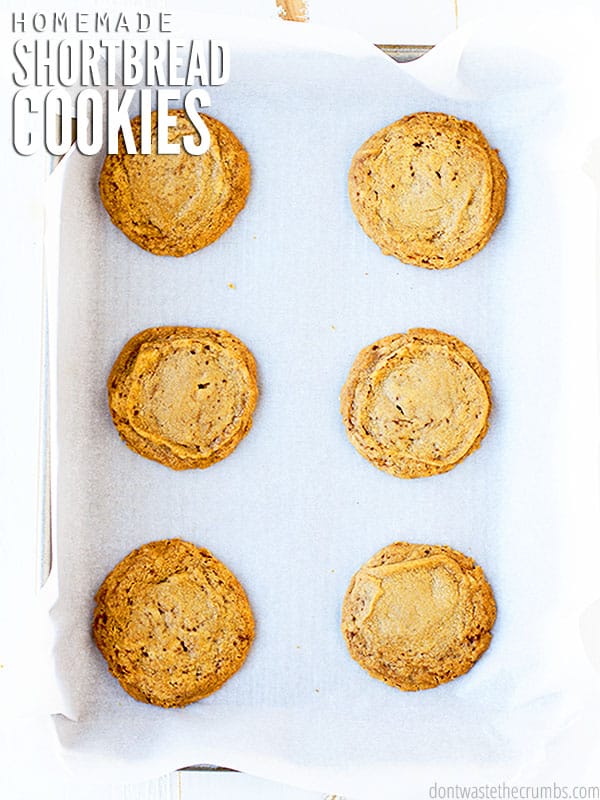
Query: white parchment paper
{"points": [[295, 510]]}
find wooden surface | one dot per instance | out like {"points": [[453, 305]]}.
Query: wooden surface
{"points": [[293, 10]]}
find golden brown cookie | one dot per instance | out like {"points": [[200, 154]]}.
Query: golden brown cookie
{"points": [[183, 396], [175, 204], [428, 189], [172, 622], [418, 615], [416, 404]]}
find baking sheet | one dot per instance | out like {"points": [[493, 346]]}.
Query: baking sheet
{"points": [[295, 510]]}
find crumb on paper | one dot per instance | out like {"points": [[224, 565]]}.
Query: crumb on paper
{"points": [[333, 327], [231, 285]]}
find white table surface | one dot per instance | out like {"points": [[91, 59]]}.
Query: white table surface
{"points": [[29, 765]]}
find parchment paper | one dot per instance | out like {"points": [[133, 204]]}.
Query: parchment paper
{"points": [[295, 510]]}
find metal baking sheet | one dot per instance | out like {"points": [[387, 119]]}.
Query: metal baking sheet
{"points": [[295, 510]]}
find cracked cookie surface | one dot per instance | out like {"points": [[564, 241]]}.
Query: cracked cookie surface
{"points": [[175, 204], [416, 615], [428, 189], [183, 396], [416, 404], [173, 623]]}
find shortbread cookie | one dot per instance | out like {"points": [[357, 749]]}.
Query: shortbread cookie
{"points": [[175, 204], [172, 622], [417, 615], [416, 404], [183, 396], [428, 189]]}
